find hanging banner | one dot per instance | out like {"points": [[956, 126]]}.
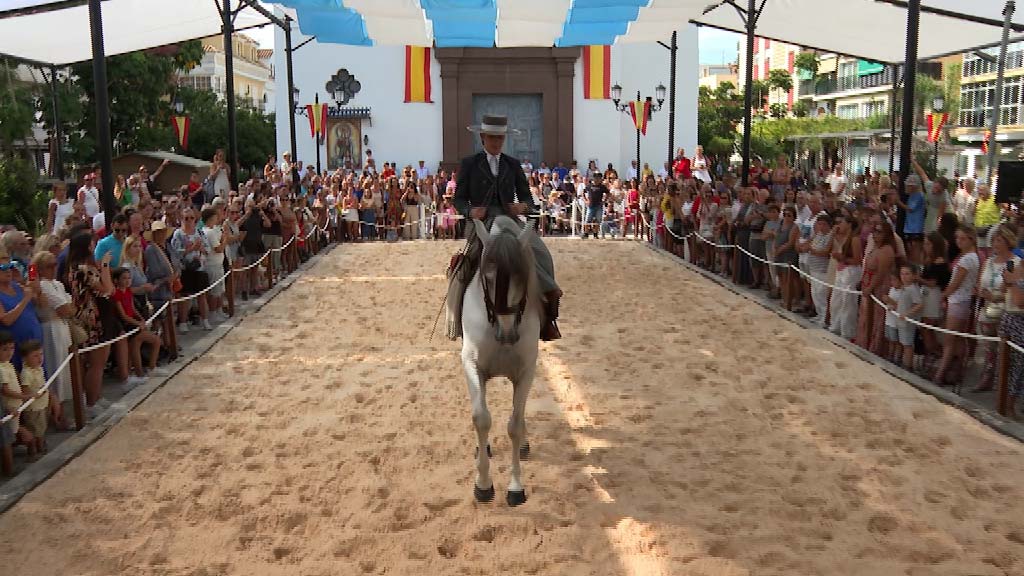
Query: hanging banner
{"points": [[417, 74], [984, 141], [936, 120], [639, 111], [181, 124], [597, 72], [317, 114]]}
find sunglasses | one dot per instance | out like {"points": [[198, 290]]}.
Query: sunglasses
{"points": [[8, 266], [120, 230]]}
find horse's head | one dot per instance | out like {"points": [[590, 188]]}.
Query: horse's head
{"points": [[507, 275]]}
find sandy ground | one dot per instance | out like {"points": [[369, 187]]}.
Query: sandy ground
{"points": [[676, 430]]}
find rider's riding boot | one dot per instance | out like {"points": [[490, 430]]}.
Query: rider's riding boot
{"points": [[549, 328]]}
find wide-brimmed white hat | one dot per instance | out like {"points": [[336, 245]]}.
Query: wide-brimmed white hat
{"points": [[493, 124]]}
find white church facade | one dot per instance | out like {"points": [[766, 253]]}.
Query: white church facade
{"points": [[540, 89]]}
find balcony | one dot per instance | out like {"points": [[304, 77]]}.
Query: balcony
{"points": [[827, 84]]}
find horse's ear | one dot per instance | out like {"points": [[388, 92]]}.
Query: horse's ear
{"points": [[481, 231]]}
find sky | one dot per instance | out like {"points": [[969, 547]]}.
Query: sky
{"points": [[716, 46]]}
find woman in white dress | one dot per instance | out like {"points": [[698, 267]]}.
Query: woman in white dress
{"points": [[60, 208], [699, 166], [219, 173], [56, 334]]}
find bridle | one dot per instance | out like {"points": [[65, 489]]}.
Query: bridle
{"points": [[501, 285]]}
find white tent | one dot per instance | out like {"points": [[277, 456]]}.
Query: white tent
{"points": [[872, 29], [58, 34]]}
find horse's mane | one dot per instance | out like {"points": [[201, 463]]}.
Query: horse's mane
{"points": [[504, 251]]}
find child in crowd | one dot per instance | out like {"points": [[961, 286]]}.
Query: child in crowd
{"points": [[770, 230], [32, 382], [905, 300], [124, 303], [12, 394], [610, 224]]}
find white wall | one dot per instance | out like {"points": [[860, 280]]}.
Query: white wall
{"points": [[400, 132], [406, 133], [609, 136]]}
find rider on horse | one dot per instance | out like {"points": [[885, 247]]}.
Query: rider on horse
{"points": [[490, 184]]}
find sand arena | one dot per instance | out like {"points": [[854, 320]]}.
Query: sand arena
{"points": [[676, 429]]}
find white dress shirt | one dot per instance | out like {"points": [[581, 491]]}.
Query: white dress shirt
{"points": [[492, 161]]}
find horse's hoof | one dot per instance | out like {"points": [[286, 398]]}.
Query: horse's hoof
{"points": [[524, 451], [515, 498], [477, 452], [483, 495]]}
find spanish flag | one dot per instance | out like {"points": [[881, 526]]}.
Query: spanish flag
{"points": [[417, 74], [985, 140], [597, 72], [640, 110], [317, 114], [181, 124], [936, 120]]}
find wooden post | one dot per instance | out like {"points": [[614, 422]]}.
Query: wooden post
{"points": [[169, 329], [1003, 406], [270, 270], [7, 460], [229, 289], [77, 375]]}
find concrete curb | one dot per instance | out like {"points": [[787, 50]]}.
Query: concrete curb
{"points": [[983, 414], [16, 488]]}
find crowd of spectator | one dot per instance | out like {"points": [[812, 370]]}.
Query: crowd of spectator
{"points": [[107, 288], [854, 256]]}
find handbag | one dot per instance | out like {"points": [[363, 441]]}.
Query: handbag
{"points": [[994, 310], [79, 335]]}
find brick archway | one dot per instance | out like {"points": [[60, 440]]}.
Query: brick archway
{"points": [[545, 71]]}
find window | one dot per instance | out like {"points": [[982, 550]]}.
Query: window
{"points": [[848, 111], [976, 102], [874, 108], [848, 76]]}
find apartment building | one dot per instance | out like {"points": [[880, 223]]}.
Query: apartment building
{"points": [[253, 71], [977, 96], [771, 55], [713, 75]]}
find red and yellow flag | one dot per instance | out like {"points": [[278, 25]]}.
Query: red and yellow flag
{"points": [[417, 74], [984, 141], [640, 110], [936, 120], [181, 124], [597, 72], [317, 118]]}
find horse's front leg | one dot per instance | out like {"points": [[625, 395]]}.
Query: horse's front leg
{"points": [[483, 488], [517, 433]]}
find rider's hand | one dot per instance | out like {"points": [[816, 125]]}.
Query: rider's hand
{"points": [[516, 209], [479, 212]]}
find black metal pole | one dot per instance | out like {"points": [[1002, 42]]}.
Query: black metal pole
{"points": [[909, 84], [228, 26], [935, 157], [892, 118], [316, 99], [993, 124], [639, 169], [748, 82], [672, 100], [291, 96], [57, 162], [101, 100]]}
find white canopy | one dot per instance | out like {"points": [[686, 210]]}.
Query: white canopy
{"points": [[60, 36], [871, 29]]}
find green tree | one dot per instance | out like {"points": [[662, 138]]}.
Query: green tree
{"points": [[209, 128], [138, 85], [17, 109], [801, 109], [806, 62], [21, 203], [719, 112], [952, 90]]}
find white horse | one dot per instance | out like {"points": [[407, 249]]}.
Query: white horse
{"points": [[501, 317]]}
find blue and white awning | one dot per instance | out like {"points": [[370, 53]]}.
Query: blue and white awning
{"points": [[487, 23]]}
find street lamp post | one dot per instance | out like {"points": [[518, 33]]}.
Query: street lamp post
{"points": [[659, 93], [938, 103]]}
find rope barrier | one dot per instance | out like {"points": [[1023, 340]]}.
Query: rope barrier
{"points": [[67, 359], [937, 328]]}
